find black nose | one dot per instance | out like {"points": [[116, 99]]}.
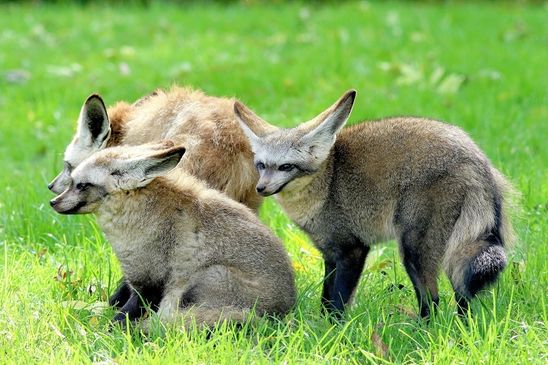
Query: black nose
{"points": [[260, 189], [52, 202], [50, 185]]}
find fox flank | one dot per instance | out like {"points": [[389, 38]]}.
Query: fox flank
{"points": [[420, 181], [188, 251]]}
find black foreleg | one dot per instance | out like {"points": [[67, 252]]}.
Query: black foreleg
{"points": [[328, 284], [348, 269], [120, 296], [133, 309]]}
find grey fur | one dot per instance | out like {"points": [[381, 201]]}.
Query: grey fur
{"points": [[418, 180], [190, 249]]}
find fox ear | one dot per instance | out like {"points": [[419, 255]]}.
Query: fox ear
{"points": [[333, 118], [322, 130], [93, 124], [162, 162], [253, 126], [146, 164]]}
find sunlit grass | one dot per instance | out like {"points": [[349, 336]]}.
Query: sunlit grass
{"points": [[480, 66]]}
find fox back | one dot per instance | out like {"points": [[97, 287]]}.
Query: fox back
{"points": [[218, 152], [421, 181]]}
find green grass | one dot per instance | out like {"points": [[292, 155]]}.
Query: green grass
{"points": [[482, 67]]}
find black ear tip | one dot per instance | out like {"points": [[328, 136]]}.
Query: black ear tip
{"points": [[178, 151], [95, 98], [237, 107], [351, 93]]}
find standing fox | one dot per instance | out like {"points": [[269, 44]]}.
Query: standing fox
{"points": [[421, 181], [220, 154], [184, 248]]}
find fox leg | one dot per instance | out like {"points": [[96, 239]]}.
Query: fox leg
{"points": [[139, 301], [121, 295], [423, 269], [132, 308], [209, 296], [328, 283], [348, 269]]}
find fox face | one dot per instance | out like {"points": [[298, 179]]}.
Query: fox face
{"points": [[284, 155], [115, 170], [91, 136]]}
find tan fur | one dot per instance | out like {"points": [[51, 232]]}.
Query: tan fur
{"points": [[418, 180], [203, 251], [118, 115], [219, 154]]}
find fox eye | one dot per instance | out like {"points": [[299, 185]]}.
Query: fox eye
{"points": [[286, 167], [260, 166], [83, 186]]}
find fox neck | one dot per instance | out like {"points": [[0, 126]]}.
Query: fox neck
{"points": [[303, 198], [131, 224], [121, 213]]}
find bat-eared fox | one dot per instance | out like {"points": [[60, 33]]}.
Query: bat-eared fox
{"points": [[183, 248], [420, 181], [219, 152]]}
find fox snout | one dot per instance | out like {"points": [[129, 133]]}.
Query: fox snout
{"points": [[60, 183], [261, 190], [272, 181], [267, 189], [68, 203], [54, 203]]}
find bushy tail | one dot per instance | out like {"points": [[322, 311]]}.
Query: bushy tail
{"points": [[476, 249]]}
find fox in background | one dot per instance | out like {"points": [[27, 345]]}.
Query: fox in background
{"points": [[219, 154], [187, 250], [418, 180]]}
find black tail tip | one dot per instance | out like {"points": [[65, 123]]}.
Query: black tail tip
{"points": [[484, 269]]}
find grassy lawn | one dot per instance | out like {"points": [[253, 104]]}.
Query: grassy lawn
{"points": [[482, 67]]}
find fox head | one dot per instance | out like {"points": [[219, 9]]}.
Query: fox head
{"points": [[92, 135], [115, 170], [284, 155]]}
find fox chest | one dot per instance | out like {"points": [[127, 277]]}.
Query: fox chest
{"points": [[333, 225], [142, 256]]}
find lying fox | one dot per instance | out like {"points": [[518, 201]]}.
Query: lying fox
{"points": [[220, 155], [421, 181], [183, 248]]}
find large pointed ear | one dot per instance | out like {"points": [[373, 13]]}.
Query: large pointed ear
{"points": [[145, 163], [160, 162], [322, 130], [334, 117], [93, 124], [253, 126]]}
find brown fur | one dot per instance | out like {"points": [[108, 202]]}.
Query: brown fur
{"points": [[118, 115], [218, 152]]}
